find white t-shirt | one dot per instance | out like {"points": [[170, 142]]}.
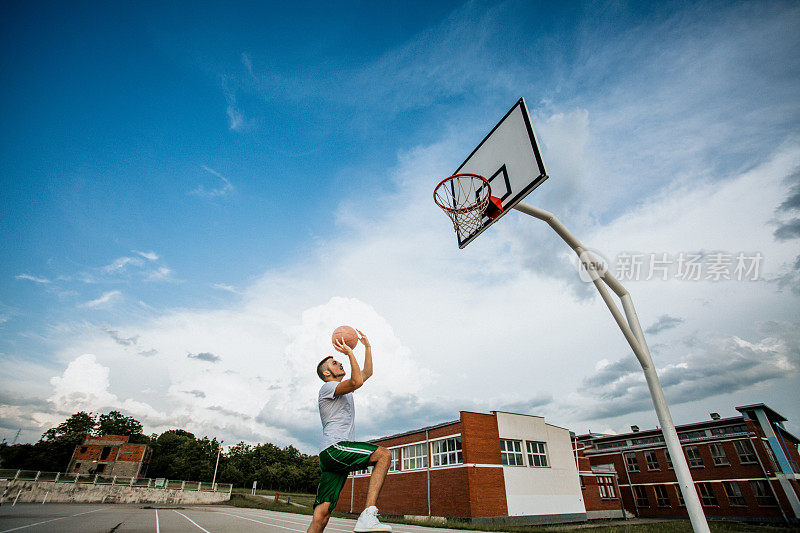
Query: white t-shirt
{"points": [[338, 415]]}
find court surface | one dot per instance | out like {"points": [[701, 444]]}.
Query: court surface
{"points": [[91, 518]]}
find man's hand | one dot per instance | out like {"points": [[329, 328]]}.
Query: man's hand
{"points": [[342, 346], [363, 339]]}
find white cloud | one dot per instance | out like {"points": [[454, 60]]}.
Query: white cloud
{"points": [[35, 279], [224, 287], [120, 263], [150, 256], [83, 386], [107, 298], [160, 274], [224, 189]]}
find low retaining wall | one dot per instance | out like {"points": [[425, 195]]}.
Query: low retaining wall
{"points": [[37, 491]]}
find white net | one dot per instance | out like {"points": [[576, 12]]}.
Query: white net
{"points": [[464, 198]]}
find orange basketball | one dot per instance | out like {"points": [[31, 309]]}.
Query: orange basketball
{"points": [[350, 335]]}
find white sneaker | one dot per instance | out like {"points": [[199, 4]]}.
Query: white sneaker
{"points": [[368, 521]]}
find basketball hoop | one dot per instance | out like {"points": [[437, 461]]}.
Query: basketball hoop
{"points": [[466, 198]]}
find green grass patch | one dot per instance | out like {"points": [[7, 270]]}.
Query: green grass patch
{"points": [[302, 498]]}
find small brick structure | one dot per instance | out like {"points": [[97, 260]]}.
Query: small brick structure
{"points": [[110, 455]]}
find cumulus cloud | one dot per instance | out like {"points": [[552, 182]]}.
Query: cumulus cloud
{"points": [[663, 323], [710, 367], [83, 386]]}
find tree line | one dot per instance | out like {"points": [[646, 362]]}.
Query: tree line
{"points": [[177, 454]]}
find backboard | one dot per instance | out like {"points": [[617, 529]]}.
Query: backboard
{"points": [[509, 158]]}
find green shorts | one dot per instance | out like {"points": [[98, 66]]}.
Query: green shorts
{"points": [[336, 462]]}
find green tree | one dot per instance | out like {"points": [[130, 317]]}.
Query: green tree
{"points": [[114, 423]]}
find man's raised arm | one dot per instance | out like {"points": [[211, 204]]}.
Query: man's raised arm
{"points": [[356, 376], [367, 355]]}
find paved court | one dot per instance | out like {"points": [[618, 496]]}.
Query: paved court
{"points": [[96, 518]]}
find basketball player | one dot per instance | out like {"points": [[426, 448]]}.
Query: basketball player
{"points": [[340, 454]]}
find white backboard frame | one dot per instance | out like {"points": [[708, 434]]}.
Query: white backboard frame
{"points": [[509, 158]]}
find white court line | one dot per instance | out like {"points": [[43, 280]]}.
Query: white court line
{"points": [[265, 523], [157, 528], [46, 521], [301, 522], [190, 520], [396, 528]]}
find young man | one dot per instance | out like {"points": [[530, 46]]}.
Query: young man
{"points": [[341, 455]]}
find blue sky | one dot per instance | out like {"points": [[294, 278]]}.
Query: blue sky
{"points": [[235, 180]]}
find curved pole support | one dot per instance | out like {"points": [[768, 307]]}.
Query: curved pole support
{"points": [[632, 331]]}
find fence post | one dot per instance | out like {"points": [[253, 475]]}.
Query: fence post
{"points": [[18, 471], [149, 480], [57, 475], [113, 480], [95, 479], [76, 478], [183, 484], [230, 488], [38, 473], [166, 484], [198, 486], [132, 480]]}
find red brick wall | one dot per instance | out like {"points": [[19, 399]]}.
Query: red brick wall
{"points": [[462, 491]]}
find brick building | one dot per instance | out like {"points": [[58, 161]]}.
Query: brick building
{"points": [[744, 467], [483, 466], [110, 455]]}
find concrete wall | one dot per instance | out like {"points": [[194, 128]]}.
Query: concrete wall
{"points": [[35, 491], [533, 491]]}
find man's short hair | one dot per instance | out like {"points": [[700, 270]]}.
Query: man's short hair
{"points": [[320, 370]]}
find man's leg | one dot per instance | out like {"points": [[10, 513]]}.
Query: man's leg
{"points": [[320, 518], [381, 459]]}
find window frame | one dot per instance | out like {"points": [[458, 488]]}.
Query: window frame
{"points": [[734, 493], [746, 456], [651, 454], [394, 465], [763, 493], [640, 494], [451, 457], [722, 458], [631, 466], [414, 461], [694, 458], [662, 496], [506, 453], [605, 485], [532, 456], [707, 496]]}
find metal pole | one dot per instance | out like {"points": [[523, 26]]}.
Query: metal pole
{"points": [[213, 481], [632, 331]]}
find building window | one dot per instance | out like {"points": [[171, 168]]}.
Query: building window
{"points": [[511, 452], [537, 453], [606, 486], [363, 471], [744, 449], [740, 428], [395, 465], [764, 496], [734, 494], [680, 496], [652, 460], [77, 466], [641, 497], [689, 435], [83, 449], [669, 460], [446, 452], [662, 499], [100, 469], [693, 455], [414, 457], [718, 454], [631, 463], [707, 495]]}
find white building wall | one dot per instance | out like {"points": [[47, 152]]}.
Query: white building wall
{"points": [[550, 490]]}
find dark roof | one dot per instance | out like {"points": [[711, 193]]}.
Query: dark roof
{"points": [[657, 431], [420, 430], [771, 414]]}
